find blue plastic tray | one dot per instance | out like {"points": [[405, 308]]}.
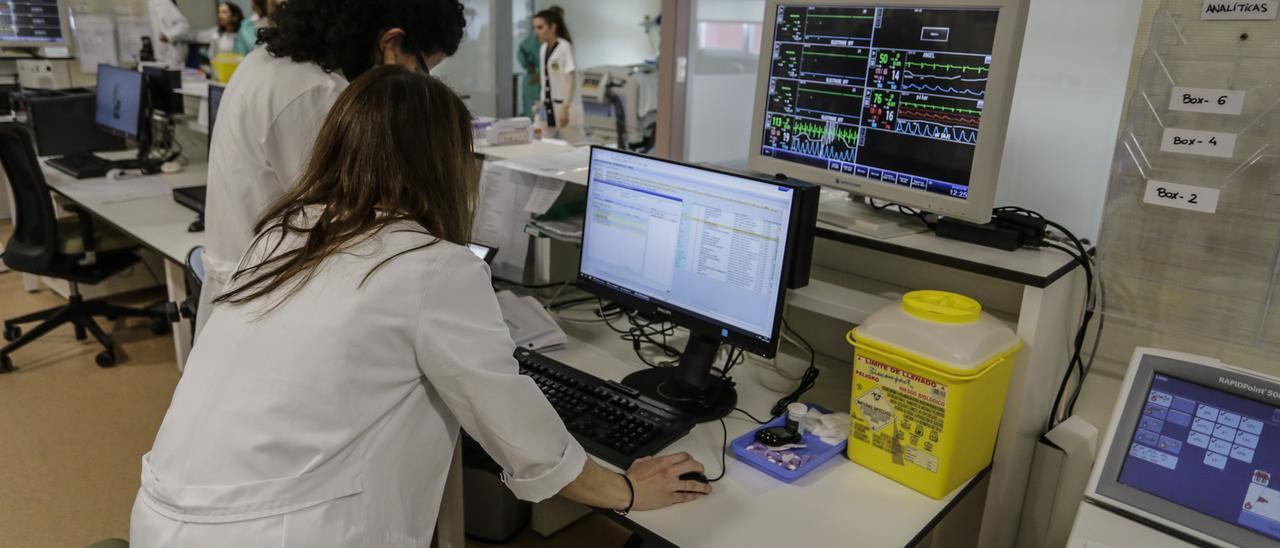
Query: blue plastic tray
{"points": [[820, 450]]}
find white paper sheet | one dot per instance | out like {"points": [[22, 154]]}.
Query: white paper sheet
{"points": [[530, 325], [500, 218], [129, 34], [554, 165], [115, 192], [546, 190], [95, 42]]}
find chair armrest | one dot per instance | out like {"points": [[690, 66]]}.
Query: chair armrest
{"points": [[87, 236]]}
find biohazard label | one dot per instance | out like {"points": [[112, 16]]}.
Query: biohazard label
{"points": [[876, 409], [914, 405]]}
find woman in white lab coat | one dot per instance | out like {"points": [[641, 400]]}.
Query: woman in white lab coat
{"points": [[321, 405], [563, 114], [169, 29], [226, 37], [272, 108]]}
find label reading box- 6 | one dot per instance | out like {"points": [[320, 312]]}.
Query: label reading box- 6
{"points": [[1210, 101], [1202, 143]]}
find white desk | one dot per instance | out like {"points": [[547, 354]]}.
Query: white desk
{"points": [[156, 222], [840, 504]]}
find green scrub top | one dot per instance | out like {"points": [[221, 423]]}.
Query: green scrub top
{"points": [[531, 85]]}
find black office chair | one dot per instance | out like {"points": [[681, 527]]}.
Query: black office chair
{"points": [[68, 249]]}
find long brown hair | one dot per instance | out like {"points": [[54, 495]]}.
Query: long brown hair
{"points": [[554, 16], [395, 147]]}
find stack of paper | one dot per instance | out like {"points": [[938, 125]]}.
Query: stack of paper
{"points": [[531, 325]]}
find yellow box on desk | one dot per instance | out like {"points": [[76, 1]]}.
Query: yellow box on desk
{"points": [[929, 382]]}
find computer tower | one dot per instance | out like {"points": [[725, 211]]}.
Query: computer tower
{"points": [[62, 121]]}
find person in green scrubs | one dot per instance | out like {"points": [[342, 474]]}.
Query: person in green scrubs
{"points": [[531, 86]]}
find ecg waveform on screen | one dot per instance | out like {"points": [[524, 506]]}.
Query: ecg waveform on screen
{"points": [[881, 89]]}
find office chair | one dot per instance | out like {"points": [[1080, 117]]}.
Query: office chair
{"points": [[68, 249]]}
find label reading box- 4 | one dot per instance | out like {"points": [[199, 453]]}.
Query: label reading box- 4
{"points": [[1192, 198], [1210, 101], [1201, 143]]}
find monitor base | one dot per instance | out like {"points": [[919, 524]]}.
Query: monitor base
{"points": [[843, 210], [715, 402]]}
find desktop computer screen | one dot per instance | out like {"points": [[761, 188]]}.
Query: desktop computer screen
{"points": [[120, 100], [903, 101], [705, 249], [163, 85]]}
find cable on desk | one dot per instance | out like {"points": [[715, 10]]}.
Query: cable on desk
{"points": [[807, 381], [750, 416], [724, 449]]}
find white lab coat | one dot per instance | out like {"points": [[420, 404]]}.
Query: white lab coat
{"points": [[267, 123], [331, 420], [219, 42], [168, 21], [559, 71]]}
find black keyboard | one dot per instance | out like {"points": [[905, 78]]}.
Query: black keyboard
{"points": [[612, 422], [88, 166], [81, 166]]}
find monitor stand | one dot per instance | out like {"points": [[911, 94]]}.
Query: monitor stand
{"points": [[849, 212], [692, 386]]}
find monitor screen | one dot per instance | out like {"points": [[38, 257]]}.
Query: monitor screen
{"points": [[1208, 450], [893, 95], [163, 85], [119, 98], [34, 22], [699, 242]]}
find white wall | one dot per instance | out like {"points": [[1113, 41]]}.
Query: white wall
{"points": [[607, 32], [471, 70], [1066, 109]]}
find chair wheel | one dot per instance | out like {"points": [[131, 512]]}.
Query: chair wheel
{"points": [[11, 333], [6, 364], [161, 327], [106, 358]]}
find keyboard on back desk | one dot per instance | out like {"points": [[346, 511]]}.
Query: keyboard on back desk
{"points": [[611, 421]]}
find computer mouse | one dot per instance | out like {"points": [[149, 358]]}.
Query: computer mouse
{"points": [[171, 167], [695, 476]]}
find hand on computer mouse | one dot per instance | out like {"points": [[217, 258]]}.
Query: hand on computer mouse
{"points": [[658, 481]]}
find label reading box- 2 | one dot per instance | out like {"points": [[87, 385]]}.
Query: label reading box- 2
{"points": [[1191, 198], [1206, 100], [1238, 10], [1201, 143]]}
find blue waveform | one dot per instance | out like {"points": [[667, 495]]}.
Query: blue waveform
{"points": [[937, 131], [820, 150], [941, 89]]}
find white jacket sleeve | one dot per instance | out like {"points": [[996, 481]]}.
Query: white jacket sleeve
{"points": [[293, 133], [465, 350]]}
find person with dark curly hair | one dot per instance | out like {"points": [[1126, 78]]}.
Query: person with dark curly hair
{"points": [[272, 109]]}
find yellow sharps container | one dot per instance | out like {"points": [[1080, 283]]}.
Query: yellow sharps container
{"points": [[929, 382]]}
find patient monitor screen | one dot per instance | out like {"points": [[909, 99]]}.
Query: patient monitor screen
{"points": [[891, 94], [1213, 452]]}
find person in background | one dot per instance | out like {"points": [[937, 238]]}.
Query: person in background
{"points": [[532, 82], [561, 103], [322, 403], [273, 107], [259, 19], [226, 37], [169, 29]]}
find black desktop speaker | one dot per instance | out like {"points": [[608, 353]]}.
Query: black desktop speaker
{"points": [[62, 121], [802, 262]]}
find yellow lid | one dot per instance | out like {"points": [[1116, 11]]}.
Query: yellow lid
{"points": [[941, 307]]}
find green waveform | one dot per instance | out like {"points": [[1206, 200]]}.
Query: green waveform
{"points": [[942, 108], [835, 55], [831, 93], [815, 130], [962, 68]]}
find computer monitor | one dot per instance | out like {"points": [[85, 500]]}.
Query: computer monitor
{"points": [[163, 85], [34, 23], [121, 101], [1193, 449], [905, 101], [705, 249]]}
